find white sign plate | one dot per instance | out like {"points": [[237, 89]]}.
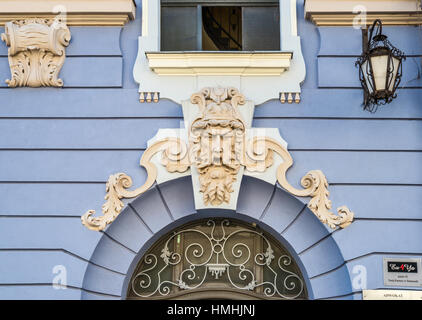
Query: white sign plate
{"points": [[399, 272], [391, 295]]}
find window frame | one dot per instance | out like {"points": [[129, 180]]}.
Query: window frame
{"points": [[213, 3], [181, 73]]}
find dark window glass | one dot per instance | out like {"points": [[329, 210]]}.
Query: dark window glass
{"points": [[222, 28], [248, 25], [178, 28], [261, 28], [217, 258]]}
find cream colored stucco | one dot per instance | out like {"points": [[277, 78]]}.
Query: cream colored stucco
{"points": [[344, 13], [76, 12]]}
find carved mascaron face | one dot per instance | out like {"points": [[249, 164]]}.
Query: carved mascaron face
{"points": [[217, 139], [217, 149]]}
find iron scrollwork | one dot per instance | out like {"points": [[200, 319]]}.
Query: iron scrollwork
{"points": [[209, 257]]}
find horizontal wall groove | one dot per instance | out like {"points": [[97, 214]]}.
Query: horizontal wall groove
{"points": [[143, 149], [94, 56], [337, 56], [84, 56], [72, 149], [38, 284], [94, 118], [53, 182], [41, 216], [339, 88], [376, 184], [71, 87], [388, 219], [101, 293], [360, 88], [61, 250], [93, 87], [357, 258], [374, 118], [51, 284], [383, 254], [78, 216], [328, 272], [160, 117], [340, 296], [270, 116], [354, 150], [318, 242], [103, 182]]}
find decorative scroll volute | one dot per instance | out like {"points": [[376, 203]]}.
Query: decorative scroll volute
{"points": [[174, 158], [36, 51], [218, 148], [258, 157]]}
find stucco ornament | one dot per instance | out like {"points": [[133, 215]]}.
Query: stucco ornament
{"points": [[216, 141], [217, 149], [36, 51]]}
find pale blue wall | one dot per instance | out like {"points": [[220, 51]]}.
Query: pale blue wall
{"points": [[58, 147]]}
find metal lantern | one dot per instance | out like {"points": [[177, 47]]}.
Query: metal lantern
{"points": [[380, 69]]}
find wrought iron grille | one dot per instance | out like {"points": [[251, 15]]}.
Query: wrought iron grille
{"points": [[217, 254]]}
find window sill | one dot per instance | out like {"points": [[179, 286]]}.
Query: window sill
{"points": [[210, 63]]}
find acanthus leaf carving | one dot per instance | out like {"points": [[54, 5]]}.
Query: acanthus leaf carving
{"points": [[176, 159], [315, 183], [218, 147], [36, 51]]}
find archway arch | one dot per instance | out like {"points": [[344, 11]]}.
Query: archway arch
{"points": [[170, 205], [217, 257]]}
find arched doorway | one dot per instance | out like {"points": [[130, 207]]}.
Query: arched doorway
{"points": [[170, 205], [217, 258]]}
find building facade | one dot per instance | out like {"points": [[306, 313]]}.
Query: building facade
{"points": [[261, 175]]}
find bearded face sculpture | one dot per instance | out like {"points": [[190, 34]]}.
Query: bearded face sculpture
{"points": [[217, 139]]}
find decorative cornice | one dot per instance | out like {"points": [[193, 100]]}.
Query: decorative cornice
{"points": [[76, 12], [219, 63], [345, 12], [37, 51]]}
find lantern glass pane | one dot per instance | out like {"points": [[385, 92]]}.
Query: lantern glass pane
{"points": [[394, 68], [379, 69], [366, 69]]}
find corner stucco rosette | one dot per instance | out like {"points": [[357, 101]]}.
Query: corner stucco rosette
{"points": [[37, 51], [217, 147]]}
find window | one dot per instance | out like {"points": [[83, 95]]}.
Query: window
{"points": [[251, 25], [217, 258]]}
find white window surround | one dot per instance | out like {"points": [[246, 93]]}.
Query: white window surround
{"points": [[260, 75], [345, 12]]}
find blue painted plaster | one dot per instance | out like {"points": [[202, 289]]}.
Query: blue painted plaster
{"points": [[58, 147]]}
